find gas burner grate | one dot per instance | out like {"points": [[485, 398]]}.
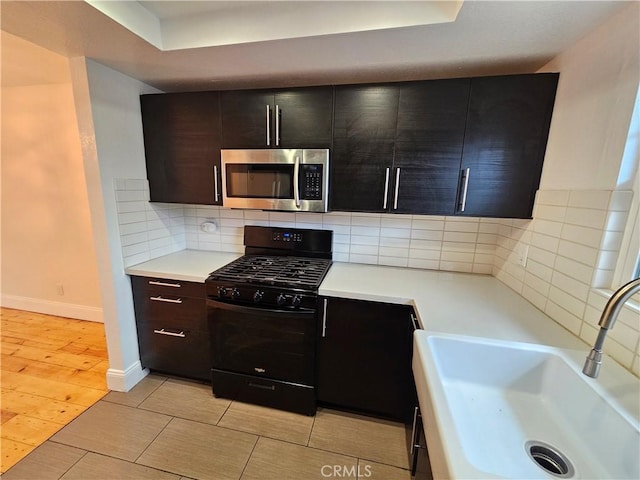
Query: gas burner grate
{"points": [[296, 272]]}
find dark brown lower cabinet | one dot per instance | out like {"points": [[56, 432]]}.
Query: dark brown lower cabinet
{"points": [[171, 319], [364, 357]]}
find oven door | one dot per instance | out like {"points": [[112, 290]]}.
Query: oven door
{"points": [[276, 179], [269, 343]]}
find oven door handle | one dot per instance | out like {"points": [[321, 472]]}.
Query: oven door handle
{"points": [[257, 310]]}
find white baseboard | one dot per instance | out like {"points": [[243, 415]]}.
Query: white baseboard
{"points": [[123, 381], [61, 309]]}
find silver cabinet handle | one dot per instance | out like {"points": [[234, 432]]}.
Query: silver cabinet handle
{"points": [[268, 128], [415, 443], [296, 182], [324, 319], [386, 189], [170, 334], [414, 321], [465, 188], [395, 196], [215, 183], [277, 125], [164, 284], [167, 300]]}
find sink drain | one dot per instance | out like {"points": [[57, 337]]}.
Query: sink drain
{"points": [[549, 459]]}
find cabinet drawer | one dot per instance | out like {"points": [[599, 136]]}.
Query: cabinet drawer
{"points": [[172, 310], [176, 351], [164, 286]]}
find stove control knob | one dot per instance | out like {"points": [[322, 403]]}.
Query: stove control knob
{"points": [[296, 301], [281, 299], [235, 294], [257, 296], [222, 292]]}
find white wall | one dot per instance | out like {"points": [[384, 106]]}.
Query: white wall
{"points": [[582, 209], [48, 257], [598, 84], [110, 124]]}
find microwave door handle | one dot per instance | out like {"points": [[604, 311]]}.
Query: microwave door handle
{"points": [[296, 181]]}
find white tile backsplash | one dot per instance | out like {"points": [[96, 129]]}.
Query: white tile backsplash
{"points": [[573, 243]]}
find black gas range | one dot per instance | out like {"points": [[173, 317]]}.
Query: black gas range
{"points": [[263, 315]]}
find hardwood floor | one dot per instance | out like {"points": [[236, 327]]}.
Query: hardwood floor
{"points": [[52, 369]]}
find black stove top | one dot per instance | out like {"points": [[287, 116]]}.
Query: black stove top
{"points": [[269, 270]]}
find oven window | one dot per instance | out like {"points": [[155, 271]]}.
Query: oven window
{"points": [[259, 181]]}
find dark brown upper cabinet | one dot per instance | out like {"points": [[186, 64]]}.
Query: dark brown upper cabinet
{"points": [[397, 147], [504, 146], [428, 146], [437, 147], [295, 118], [182, 147], [363, 140]]}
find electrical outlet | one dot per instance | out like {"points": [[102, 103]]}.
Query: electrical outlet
{"points": [[60, 289], [523, 254]]}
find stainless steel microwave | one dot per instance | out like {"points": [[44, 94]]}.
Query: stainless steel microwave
{"points": [[295, 180]]}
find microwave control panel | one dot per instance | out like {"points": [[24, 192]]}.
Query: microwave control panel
{"points": [[311, 181]]}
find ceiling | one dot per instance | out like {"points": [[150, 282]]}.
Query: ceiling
{"points": [[304, 43]]}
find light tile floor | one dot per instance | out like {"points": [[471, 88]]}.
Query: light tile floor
{"points": [[167, 428]]}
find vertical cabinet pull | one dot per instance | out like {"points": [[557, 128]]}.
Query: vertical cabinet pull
{"points": [[395, 197], [215, 183], [277, 126], [465, 187], [268, 128], [164, 284], [386, 189], [324, 319], [414, 321], [415, 443]]}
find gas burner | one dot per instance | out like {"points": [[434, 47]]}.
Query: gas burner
{"points": [[277, 270]]}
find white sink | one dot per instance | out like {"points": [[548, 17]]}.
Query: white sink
{"points": [[490, 399]]}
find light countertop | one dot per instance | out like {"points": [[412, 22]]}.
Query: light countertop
{"points": [[445, 302], [185, 265]]}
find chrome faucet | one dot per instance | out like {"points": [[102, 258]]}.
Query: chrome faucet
{"points": [[607, 319]]}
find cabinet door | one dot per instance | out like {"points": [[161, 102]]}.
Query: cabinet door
{"points": [[504, 146], [364, 357], [305, 118], [428, 147], [182, 147], [363, 141], [246, 122]]}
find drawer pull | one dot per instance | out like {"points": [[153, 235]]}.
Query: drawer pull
{"points": [[171, 334], [167, 300], [262, 387], [164, 284]]}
